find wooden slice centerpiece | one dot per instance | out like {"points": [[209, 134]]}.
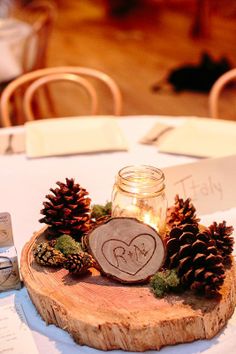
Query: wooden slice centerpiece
{"points": [[105, 314]]}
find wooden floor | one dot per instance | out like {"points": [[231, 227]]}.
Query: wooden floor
{"points": [[140, 49]]}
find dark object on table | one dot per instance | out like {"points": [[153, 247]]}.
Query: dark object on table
{"points": [[199, 77], [121, 7]]}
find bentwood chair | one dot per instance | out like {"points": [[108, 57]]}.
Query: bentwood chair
{"points": [[32, 81], [217, 89]]}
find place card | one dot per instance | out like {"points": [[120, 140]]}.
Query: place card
{"points": [[15, 334], [210, 183]]}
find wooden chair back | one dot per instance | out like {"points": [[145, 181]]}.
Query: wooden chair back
{"points": [[216, 90], [32, 81]]}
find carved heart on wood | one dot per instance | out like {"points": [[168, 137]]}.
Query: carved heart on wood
{"points": [[5, 269], [126, 249], [129, 257]]}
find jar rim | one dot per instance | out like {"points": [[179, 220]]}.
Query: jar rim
{"points": [[147, 178]]}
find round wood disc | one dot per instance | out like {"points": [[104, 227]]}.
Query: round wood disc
{"points": [[127, 249], [107, 315]]}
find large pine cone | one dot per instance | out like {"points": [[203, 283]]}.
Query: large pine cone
{"points": [[67, 210], [196, 259], [223, 239], [46, 255], [79, 263], [181, 213]]}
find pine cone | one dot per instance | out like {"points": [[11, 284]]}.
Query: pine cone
{"points": [[46, 255], [79, 263], [223, 239], [196, 259], [67, 210], [181, 213], [94, 224]]}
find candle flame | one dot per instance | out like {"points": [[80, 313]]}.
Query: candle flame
{"points": [[147, 219]]}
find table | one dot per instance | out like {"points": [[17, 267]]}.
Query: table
{"points": [[24, 184]]}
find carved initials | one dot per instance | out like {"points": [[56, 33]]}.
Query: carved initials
{"points": [[129, 257]]}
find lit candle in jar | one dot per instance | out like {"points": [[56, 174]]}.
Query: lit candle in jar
{"points": [[150, 220], [139, 192]]}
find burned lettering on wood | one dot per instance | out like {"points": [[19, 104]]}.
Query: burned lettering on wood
{"points": [[129, 257], [127, 249]]}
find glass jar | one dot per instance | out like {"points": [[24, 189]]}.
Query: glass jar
{"points": [[139, 192]]}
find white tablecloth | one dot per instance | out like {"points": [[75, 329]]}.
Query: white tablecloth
{"points": [[24, 184]]}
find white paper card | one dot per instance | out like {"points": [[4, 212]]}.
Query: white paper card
{"points": [[209, 183], [16, 337]]}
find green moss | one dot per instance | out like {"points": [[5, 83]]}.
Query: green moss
{"points": [[67, 245], [164, 282], [99, 210]]}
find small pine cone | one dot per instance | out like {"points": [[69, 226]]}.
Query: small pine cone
{"points": [[181, 213], [79, 263], [223, 239], [67, 210], [196, 259], [85, 243], [46, 255], [52, 242]]}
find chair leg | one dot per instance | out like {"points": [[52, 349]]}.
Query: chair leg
{"points": [[201, 24]]}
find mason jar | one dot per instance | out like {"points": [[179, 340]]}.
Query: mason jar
{"points": [[139, 192]]}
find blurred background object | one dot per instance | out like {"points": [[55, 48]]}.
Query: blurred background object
{"points": [[139, 43], [199, 77], [24, 37]]}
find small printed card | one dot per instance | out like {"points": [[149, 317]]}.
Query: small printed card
{"points": [[9, 272], [210, 183], [16, 337]]}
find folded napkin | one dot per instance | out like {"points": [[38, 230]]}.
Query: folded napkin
{"points": [[51, 137], [201, 137], [156, 133]]}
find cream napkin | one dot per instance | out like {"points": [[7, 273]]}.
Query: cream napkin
{"points": [[50, 137], [156, 133], [202, 137]]}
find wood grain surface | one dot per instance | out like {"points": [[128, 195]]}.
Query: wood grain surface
{"points": [[127, 249], [107, 315]]}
